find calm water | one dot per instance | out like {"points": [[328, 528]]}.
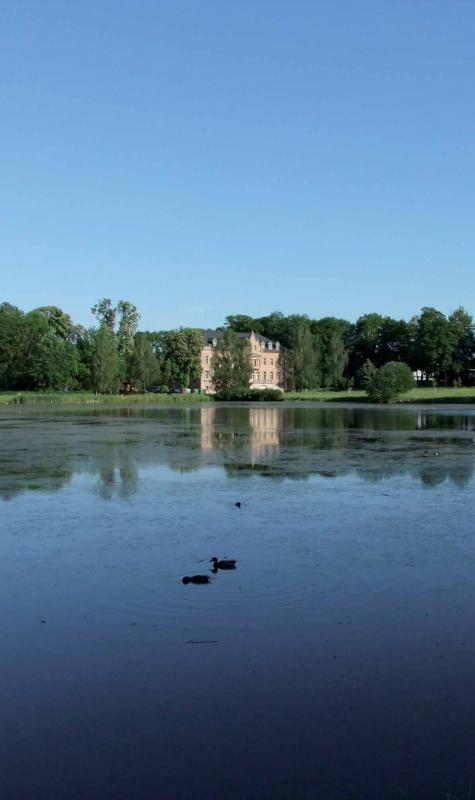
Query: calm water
{"points": [[336, 662]]}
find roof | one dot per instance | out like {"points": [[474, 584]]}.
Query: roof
{"points": [[209, 335]]}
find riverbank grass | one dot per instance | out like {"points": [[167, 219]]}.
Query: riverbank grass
{"points": [[440, 395], [426, 394], [89, 398]]}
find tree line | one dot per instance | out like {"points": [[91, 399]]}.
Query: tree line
{"points": [[336, 354], [44, 349]]}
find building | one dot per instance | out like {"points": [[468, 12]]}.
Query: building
{"points": [[267, 358]]}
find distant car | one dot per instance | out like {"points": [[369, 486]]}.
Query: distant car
{"points": [[154, 389]]}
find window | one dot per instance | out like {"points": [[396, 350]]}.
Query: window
{"points": [[265, 361], [265, 375], [272, 376], [255, 362]]}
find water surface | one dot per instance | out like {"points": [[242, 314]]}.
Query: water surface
{"points": [[336, 661]]}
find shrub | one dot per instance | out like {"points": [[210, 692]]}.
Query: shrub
{"points": [[390, 381], [251, 395]]}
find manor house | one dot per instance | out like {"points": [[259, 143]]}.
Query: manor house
{"points": [[267, 358]]}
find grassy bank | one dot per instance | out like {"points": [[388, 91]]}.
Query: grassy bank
{"points": [[70, 398], [466, 394], [425, 395]]}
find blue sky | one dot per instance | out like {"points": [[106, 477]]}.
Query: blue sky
{"points": [[206, 158]]}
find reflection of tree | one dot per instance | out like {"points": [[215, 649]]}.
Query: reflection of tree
{"points": [[38, 477], [272, 441]]}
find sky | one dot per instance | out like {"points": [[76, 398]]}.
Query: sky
{"points": [[215, 157]]}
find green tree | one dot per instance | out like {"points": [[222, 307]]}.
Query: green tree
{"points": [[32, 355], [366, 373], [105, 365], [143, 367], [181, 355], [434, 343], [333, 336], [231, 366], [60, 323], [390, 381], [304, 359], [11, 320], [395, 341], [54, 365], [127, 327], [462, 335], [106, 313], [86, 345], [366, 340], [241, 323]]}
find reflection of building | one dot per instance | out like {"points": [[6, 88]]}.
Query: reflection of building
{"points": [[207, 427], [267, 358], [258, 430], [264, 424]]}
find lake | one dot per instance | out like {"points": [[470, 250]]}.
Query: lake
{"points": [[335, 662]]}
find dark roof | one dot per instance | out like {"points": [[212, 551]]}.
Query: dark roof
{"points": [[210, 334]]}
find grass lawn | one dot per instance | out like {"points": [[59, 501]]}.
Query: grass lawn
{"points": [[465, 394], [69, 398]]}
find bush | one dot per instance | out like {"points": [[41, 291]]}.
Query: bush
{"points": [[390, 381], [251, 395]]}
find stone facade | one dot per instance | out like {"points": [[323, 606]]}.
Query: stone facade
{"points": [[267, 359]]}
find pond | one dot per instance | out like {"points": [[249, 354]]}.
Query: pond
{"points": [[336, 661]]}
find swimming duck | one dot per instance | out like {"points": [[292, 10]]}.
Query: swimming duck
{"points": [[196, 579], [224, 563], [238, 504]]}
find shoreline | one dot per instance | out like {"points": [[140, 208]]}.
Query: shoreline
{"points": [[421, 398]]}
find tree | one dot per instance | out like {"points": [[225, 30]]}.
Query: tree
{"points": [[11, 320], [143, 367], [366, 339], [462, 335], [333, 335], [124, 330], [241, 323], [54, 364], [127, 328], [32, 355], [106, 313], [366, 373], [105, 366], [395, 341], [61, 323], [304, 362], [434, 343], [181, 355], [390, 381], [231, 366]]}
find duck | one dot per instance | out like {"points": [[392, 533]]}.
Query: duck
{"points": [[224, 563], [196, 579], [238, 504]]}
